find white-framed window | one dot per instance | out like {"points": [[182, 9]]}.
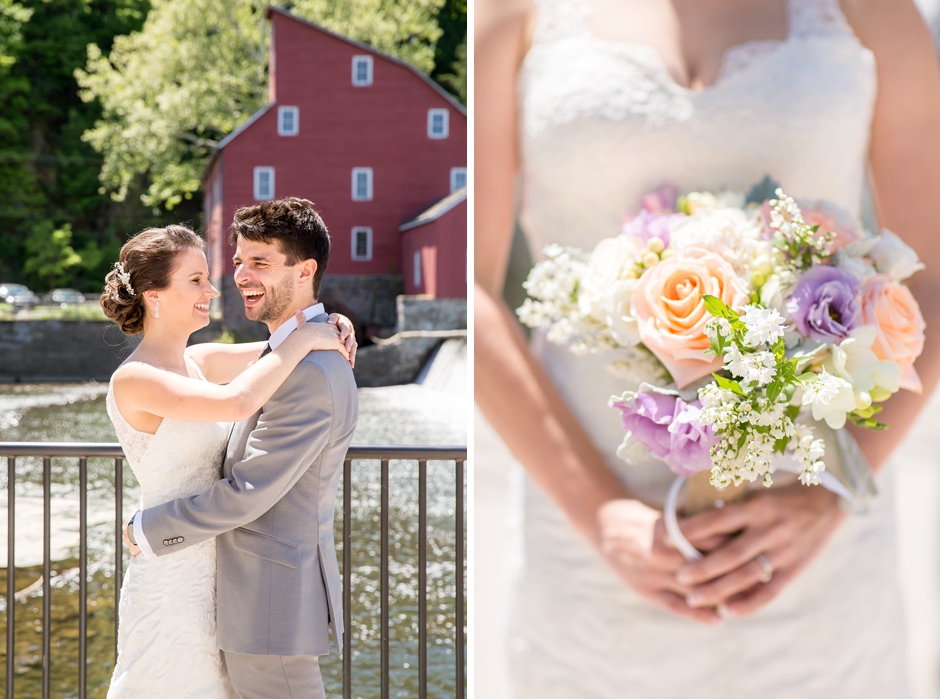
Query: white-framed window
{"points": [[417, 268], [362, 71], [288, 121], [264, 183], [458, 178], [362, 184], [362, 243], [438, 126]]}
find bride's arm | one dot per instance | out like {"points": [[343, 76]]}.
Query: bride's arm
{"points": [[905, 167], [220, 363], [790, 525], [142, 390], [510, 387]]}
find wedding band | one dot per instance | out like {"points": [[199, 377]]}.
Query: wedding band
{"points": [[768, 570]]}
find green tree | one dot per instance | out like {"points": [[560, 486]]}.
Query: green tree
{"points": [[47, 173], [198, 69], [51, 256]]}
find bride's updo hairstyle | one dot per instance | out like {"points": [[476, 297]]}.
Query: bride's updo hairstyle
{"points": [[146, 262]]}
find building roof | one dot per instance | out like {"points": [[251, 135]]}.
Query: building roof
{"points": [[435, 211]]}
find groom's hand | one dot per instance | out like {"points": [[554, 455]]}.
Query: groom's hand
{"points": [[131, 546]]}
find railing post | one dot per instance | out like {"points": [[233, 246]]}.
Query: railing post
{"points": [[83, 578], [11, 574], [46, 575], [459, 646], [347, 579], [384, 581], [422, 579]]}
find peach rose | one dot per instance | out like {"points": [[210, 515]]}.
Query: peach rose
{"points": [[891, 308], [830, 217], [671, 315]]}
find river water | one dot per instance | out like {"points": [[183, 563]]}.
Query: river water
{"points": [[434, 412]]}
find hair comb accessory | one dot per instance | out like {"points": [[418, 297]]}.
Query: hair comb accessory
{"points": [[123, 277]]}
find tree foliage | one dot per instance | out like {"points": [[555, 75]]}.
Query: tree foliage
{"points": [[48, 175], [197, 70]]}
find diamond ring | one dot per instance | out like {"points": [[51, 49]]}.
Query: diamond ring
{"points": [[768, 570]]}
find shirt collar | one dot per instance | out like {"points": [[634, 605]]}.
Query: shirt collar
{"points": [[290, 325]]}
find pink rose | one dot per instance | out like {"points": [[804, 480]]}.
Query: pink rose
{"points": [[671, 314], [891, 308]]}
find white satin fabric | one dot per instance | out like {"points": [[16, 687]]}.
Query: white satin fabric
{"points": [[602, 123], [166, 640]]}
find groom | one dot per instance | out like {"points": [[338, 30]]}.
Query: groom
{"points": [[278, 579]]}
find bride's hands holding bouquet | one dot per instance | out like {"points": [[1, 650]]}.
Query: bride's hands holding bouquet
{"points": [[766, 541], [634, 542]]}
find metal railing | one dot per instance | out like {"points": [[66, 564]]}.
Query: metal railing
{"points": [[383, 454]]}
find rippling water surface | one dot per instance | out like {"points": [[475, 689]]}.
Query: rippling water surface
{"points": [[411, 414]]}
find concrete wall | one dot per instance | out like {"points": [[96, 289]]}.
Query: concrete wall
{"points": [[78, 350], [401, 363], [61, 350]]}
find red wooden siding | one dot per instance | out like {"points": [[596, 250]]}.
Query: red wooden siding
{"points": [[341, 126]]}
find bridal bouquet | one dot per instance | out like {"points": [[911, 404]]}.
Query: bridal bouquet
{"points": [[737, 313]]}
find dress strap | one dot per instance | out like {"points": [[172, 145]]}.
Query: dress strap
{"points": [[196, 367], [561, 19], [817, 17]]}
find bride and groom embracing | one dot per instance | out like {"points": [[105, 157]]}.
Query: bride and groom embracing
{"points": [[238, 450]]}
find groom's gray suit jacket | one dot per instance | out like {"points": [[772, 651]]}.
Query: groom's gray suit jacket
{"points": [[278, 579]]}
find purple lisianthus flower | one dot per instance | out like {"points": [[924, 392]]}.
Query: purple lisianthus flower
{"points": [[646, 225], [669, 427], [825, 305]]}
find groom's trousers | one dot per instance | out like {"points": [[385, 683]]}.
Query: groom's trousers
{"points": [[275, 676]]}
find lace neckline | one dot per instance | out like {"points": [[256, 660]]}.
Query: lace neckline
{"points": [[140, 433], [559, 19]]}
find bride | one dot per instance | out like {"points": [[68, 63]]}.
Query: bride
{"points": [[174, 435], [588, 105]]}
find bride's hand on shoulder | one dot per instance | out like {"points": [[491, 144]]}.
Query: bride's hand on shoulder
{"points": [[320, 336], [347, 333], [767, 540], [634, 542]]}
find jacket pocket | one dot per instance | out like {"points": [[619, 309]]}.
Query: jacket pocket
{"points": [[266, 547]]}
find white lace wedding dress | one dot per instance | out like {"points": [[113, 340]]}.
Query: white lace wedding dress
{"points": [[166, 639], [603, 123]]}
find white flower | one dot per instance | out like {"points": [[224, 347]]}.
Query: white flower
{"points": [[616, 307], [717, 326], [856, 266], [735, 361], [853, 360], [761, 368], [720, 200], [728, 232], [892, 256], [831, 397], [611, 260], [764, 325]]}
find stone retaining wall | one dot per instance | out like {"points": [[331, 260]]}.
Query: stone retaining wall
{"points": [[85, 350]]}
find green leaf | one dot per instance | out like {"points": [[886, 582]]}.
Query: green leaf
{"points": [[793, 411], [773, 389], [729, 385], [718, 308], [780, 446]]}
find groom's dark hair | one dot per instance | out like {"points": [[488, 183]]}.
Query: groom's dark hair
{"points": [[294, 223]]}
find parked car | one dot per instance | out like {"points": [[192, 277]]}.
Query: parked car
{"points": [[18, 296], [63, 298]]}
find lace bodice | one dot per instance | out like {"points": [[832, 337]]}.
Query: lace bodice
{"points": [[179, 459], [603, 122]]}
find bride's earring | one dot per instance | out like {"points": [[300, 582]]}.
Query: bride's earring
{"points": [[156, 310]]}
